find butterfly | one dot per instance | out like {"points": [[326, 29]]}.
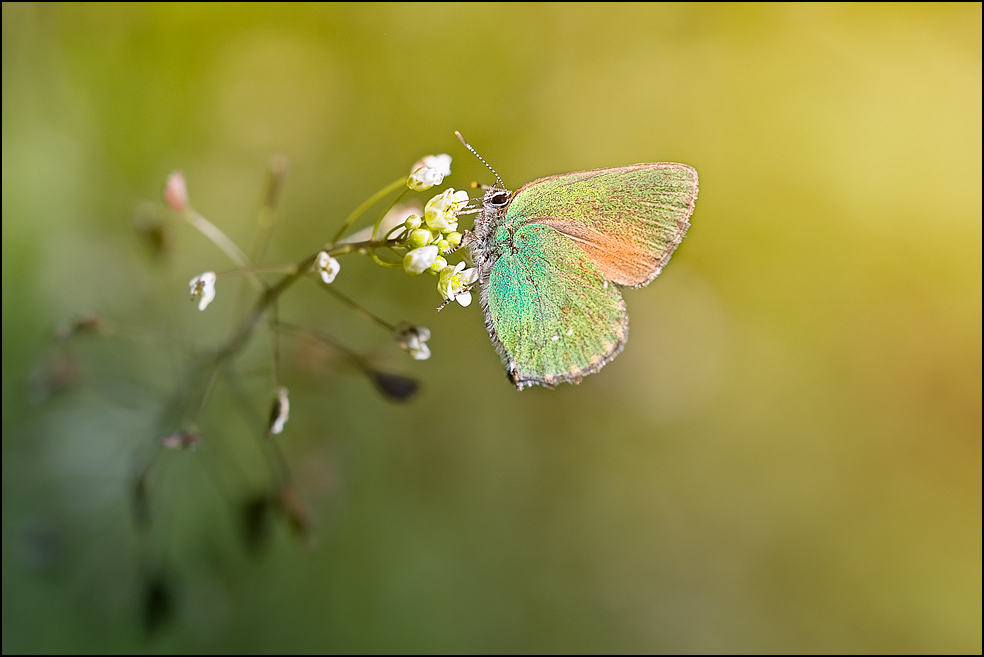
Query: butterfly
{"points": [[552, 256]]}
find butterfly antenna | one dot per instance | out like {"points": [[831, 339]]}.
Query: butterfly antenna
{"points": [[457, 134]]}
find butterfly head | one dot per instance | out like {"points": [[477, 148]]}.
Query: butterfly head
{"points": [[496, 198]]}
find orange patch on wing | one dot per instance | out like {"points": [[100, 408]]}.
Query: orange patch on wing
{"points": [[622, 262]]}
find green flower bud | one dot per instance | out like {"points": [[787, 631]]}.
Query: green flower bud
{"points": [[444, 247], [454, 239], [412, 223], [418, 238], [440, 264]]}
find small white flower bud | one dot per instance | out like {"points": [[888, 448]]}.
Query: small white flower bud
{"points": [[419, 260], [441, 163], [280, 411], [424, 178], [203, 289], [327, 266]]}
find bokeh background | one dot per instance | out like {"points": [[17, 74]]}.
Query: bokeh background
{"points": [[786, 457]]}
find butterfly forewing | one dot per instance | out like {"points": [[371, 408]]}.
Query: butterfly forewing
{"points": [[628, 220]]}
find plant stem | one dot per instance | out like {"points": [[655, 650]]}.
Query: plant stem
{"points": [[358, 308], [356, 213], [242, 335]]}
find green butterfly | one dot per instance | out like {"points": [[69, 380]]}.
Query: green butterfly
{"points": [[552, 255]]}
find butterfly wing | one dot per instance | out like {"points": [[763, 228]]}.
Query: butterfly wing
{"points": [[627, 220], [551, 310]]}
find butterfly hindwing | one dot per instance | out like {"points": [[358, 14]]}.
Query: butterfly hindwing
{"points": [[628, 220], [552, 310]]}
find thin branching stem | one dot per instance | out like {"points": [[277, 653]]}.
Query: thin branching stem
{"points": [[275, 344], [221, 240], [242, 334], [258, 269], [268, 448], [369, 202], [359, 308], [323, 338], [267, 214], [207, 394], [382, 215]]}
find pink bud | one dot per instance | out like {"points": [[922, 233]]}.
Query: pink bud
{"points": [[172, 442], [175, 192], [181, 440]]}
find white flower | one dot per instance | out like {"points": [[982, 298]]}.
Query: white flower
{"points": [[424, 178], [327, 266], [454, 282], [441, 163], [441, 212], [418, 260], [203, 289], [280, 411], [414, 340]]}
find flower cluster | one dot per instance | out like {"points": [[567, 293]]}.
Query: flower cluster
{"points": [[422, 237], [428, 239], [408, 234], [414, 340]]}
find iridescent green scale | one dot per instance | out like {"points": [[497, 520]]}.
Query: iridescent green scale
{"points": [[552, 255]]}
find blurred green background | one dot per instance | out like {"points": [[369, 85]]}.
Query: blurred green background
{"points": [[786, 456]]}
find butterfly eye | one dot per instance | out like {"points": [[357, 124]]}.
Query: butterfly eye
{"points": [[501, 198]]}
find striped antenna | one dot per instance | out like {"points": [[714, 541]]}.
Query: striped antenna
{"points": [[502, 185]]}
